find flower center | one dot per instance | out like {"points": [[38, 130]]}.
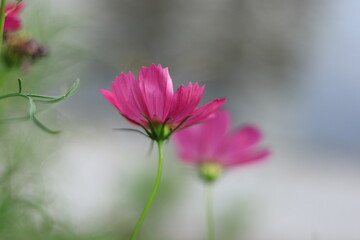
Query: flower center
{"points": [[210, 171]]}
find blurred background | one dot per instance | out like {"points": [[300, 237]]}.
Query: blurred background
{"points": [[288, 66]]}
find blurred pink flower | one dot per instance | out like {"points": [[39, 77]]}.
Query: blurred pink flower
{"points": [[12, 20], [150, 102], [212, 147]]}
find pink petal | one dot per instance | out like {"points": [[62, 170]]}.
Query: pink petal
{"points": [[110, 97], [185, 101], [204, 112], [213, 134], [244, 137], [129, 98], [156, 87], [12, 23], [241, 147], [14, 8], [188, 144], [245, 157], [202, 141]]}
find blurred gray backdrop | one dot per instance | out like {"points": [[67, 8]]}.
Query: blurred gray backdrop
{"points": [[289, 66]]}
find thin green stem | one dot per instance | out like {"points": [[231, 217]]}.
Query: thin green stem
{"points": [[153, 193], [2, 21], [209, 213]]}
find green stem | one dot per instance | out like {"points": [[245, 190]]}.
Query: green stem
{"points": [[2, 21], [209, 213], [153, 193]]}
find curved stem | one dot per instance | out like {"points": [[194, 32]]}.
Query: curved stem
{"points": [[2, 20], [209, 213], [153, 193]]}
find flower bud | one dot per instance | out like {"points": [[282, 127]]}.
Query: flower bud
{"points": [[22, 50]]}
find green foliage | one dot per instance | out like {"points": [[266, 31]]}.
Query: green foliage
{"points": [[33, 98], [23, 199]]}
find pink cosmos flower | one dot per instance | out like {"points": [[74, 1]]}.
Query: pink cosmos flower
{"points": [[12, 20], [212, 147], [149, 101]]}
